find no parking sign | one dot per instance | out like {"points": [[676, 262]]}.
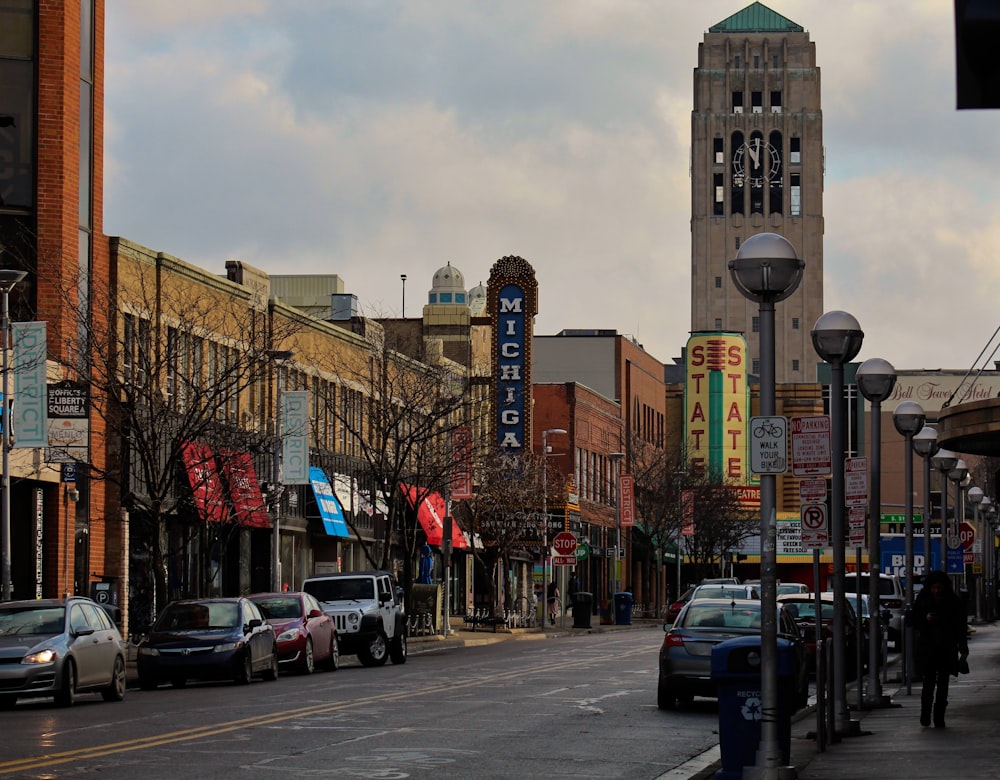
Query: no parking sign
{"points": [[815, 532]]}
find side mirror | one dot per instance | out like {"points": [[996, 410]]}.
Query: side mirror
{"points": [[255, 623], [315, 613]]}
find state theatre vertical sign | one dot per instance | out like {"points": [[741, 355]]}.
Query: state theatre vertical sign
{"points": [[716, 403], [512, 303]]}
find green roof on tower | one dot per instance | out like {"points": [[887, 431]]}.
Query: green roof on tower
{"points": [[757, 18]]}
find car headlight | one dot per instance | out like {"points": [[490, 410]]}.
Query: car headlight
{"points": [[227, 647], [353, 617], [150, 651], [289, 635], [41, 657]]}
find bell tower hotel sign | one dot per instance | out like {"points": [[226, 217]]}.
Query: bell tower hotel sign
{"points": [[512, 303]]}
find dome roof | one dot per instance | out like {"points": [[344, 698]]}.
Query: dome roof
{"points": [[477, 299], [448, 279]]}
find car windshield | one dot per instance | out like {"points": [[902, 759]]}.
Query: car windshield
{"points": [[791, 588], [807, 609], [746, 615], [280, 607], [724, 592], [188, 617], [341, 589], [21, 621]]}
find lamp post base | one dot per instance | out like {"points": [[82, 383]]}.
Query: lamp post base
{"points": [[852, 728], [879, 702], [770, 773]]}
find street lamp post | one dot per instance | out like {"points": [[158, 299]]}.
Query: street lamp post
{"points": [[989, 525], [837, 338], [767, 270], [960, 476], [278, 357], [925, 445], [876, 378], [944, 461], [8, 278], [616, 458], [909, 420], [976, 498], [545, 519]]}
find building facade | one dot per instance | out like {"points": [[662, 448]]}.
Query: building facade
{"points": [[757, 166]]}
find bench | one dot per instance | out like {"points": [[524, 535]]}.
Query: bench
{"points": [[473, 620]]}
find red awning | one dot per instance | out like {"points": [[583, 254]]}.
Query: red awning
{"points": [[430, 515], [206, 487], [244, 490]]}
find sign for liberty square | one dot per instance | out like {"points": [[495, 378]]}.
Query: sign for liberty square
{"points": [[69, 423]]}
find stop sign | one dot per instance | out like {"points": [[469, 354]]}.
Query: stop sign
{"points": [[967, 533], [564, 543]]}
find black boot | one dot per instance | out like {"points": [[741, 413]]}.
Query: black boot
{"points": [[939, 715], [925, 716]]}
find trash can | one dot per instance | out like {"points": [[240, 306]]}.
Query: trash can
{"points": [[736, 672], [623, 609], [582, 604]]}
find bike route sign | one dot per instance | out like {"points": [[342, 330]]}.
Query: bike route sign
{"points": [[768, 445]]}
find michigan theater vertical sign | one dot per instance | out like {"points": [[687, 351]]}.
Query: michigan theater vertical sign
{"points": [[512, 302]]}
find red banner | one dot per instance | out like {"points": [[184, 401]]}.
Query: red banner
{"points": [[626, 499], [461, 455]]}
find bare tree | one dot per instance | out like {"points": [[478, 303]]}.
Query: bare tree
{"points": [[506, 513], [395, 414], [177, 364]]}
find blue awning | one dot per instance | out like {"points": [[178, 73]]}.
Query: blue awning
{"points": [[329, 507]]}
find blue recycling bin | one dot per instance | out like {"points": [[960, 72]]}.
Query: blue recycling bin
{"points": [[736, 672], [623, 609]]}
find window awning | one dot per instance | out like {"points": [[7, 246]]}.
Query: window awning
{"points": [[430, 515], [244, 490], [206, 487], [330, 511]]}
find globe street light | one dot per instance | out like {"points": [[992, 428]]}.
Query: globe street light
{"points": [[925, 445], [837, 338], [944, 461], [279, 357], [976, 497], [767, 270], [909, 420], [8, 278], [545, 519], [959, 474], [876, 378], [989, 522]]}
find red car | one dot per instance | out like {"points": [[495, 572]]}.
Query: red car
{"points": [[306, 635], [803, 608]]}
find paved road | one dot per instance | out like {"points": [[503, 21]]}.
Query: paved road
{"points": [[581, 706]]}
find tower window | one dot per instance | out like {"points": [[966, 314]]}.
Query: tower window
{"points": [[775, 101], [756, 324], [775, 61], [795, 323], [717, 146], [718, 323], [795, 150], [757, 101], [755, 366], [444, 298], [717, 207], [795, 196], [756, 62], [737, 102], [737, 243], [795, 366], [736, 61], [718, 282]]}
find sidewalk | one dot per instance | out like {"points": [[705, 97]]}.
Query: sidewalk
{"points": [[893, 743]]}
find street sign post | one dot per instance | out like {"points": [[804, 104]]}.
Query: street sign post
{"points": [[856, 482], [811, 453], [565, 545]]}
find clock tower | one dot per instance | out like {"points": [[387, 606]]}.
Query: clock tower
{"points": [[756, 167]]}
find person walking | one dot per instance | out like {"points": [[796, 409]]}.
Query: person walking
{"points": [[941, 643], [553, 602]]}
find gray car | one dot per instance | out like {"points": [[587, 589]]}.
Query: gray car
{"points": [[60, 648], [686, 653]]}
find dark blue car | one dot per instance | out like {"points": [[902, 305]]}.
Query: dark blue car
{"points": [[208, 639]]}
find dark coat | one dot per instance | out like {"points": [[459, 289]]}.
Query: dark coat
{"points": [[941, 631]]}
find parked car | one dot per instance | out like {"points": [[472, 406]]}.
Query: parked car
{"points": [[305, 634], [685, 664], [60, 648], [675, 607], [789, 588], [367, 608], [803, 608], [891, 597], [720, 581], [725, 591], [208, 639]]}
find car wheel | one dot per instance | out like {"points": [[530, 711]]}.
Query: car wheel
{"points": [[333, 662], [116, 688], [270, 674], [66, 694], [7, 702], [376, 651], [397, 650], [308, 661], [244, 670], [665, 700]]}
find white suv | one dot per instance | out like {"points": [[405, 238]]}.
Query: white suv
{"points": [[368, 611]]}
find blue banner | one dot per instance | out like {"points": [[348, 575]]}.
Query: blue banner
{"points": [[329, 507]]}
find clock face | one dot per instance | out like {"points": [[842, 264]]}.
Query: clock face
{"points": [[756, 161]]}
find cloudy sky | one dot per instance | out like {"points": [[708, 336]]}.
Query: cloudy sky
{"points": [[371, 138]]}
